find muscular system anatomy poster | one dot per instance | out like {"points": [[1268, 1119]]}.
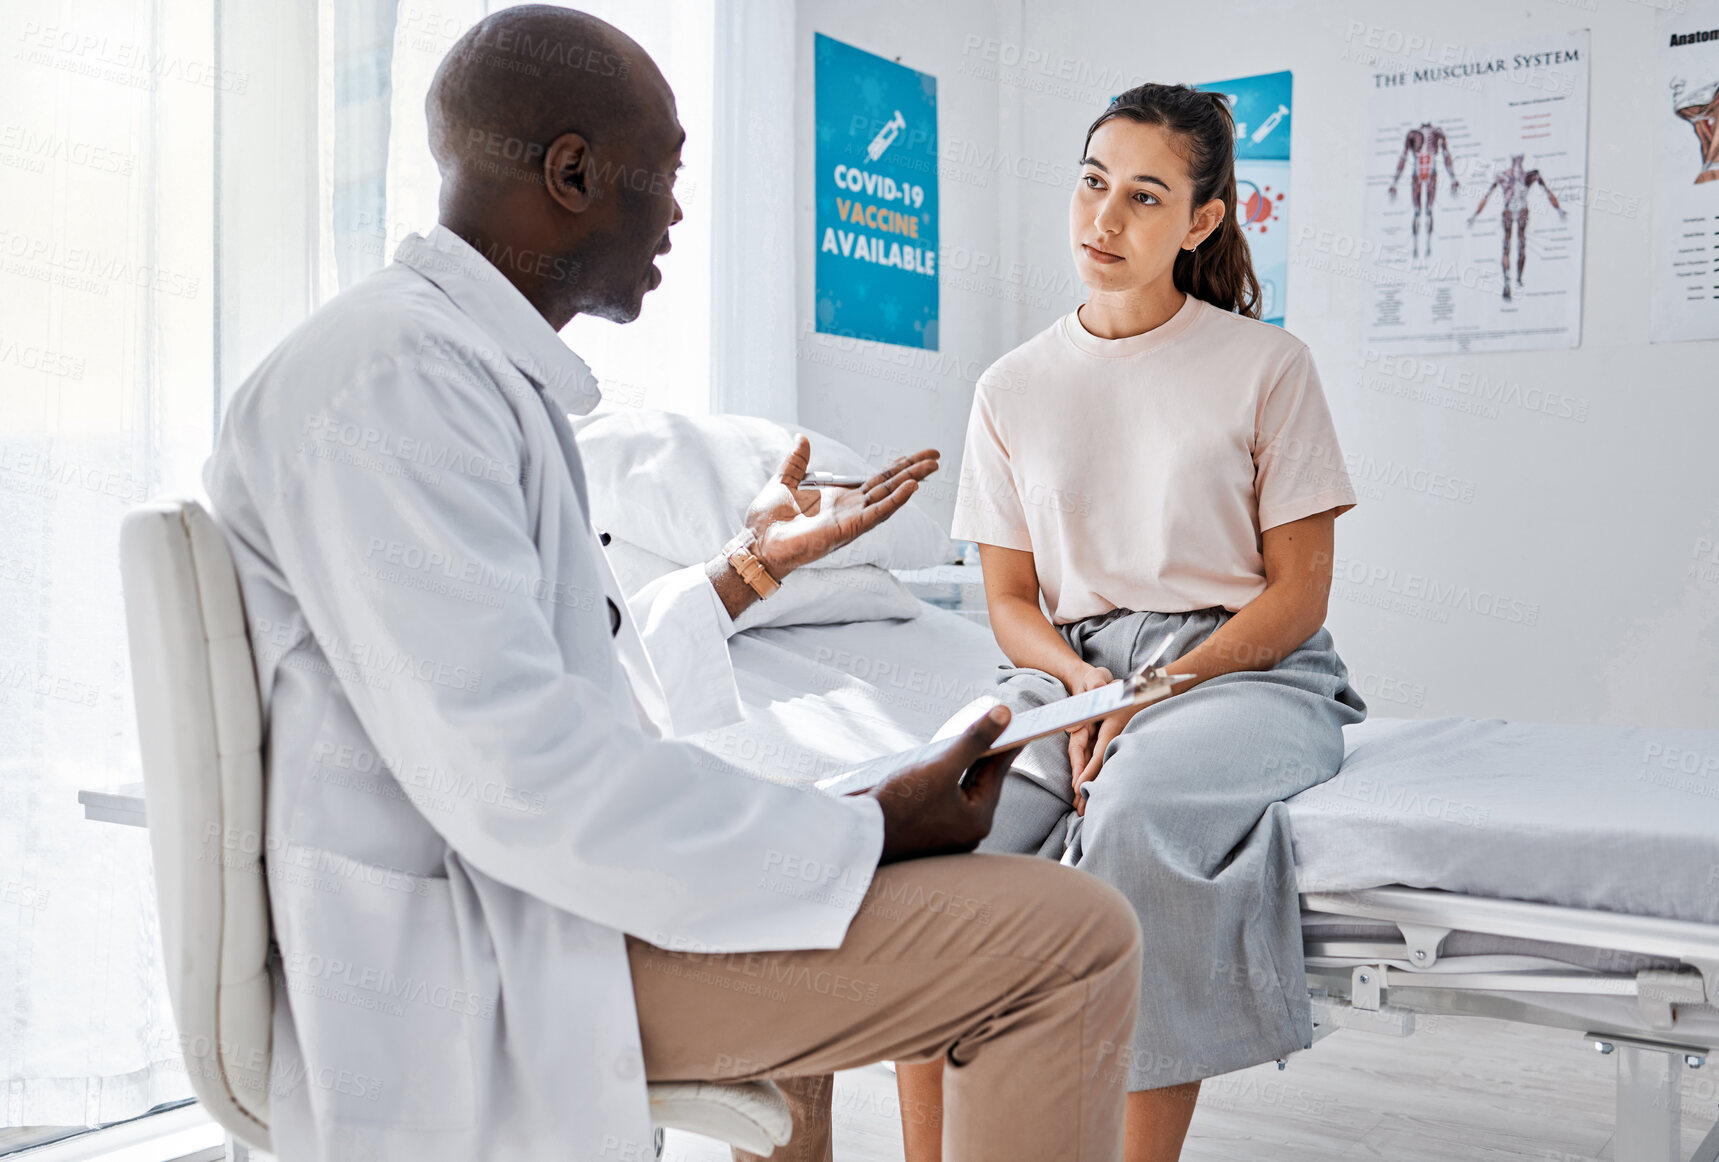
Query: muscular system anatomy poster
{"points": [[1476, 173], [1685, 111]]}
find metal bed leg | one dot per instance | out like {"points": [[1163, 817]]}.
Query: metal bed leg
{"points": [[1650, 1103]]}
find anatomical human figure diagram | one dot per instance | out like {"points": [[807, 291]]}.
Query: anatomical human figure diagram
{"points": [[1703, 117], [1424, 143], [1514, 183]]}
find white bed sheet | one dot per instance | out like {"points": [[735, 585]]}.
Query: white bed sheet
{"points": [[1598, 817], [1582, 816], [820, 699]]}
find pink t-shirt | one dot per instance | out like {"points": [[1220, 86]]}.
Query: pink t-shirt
{"points": [[1140, 472]]}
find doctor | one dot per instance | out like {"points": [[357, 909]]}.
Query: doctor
{"points": [[503, 898]]}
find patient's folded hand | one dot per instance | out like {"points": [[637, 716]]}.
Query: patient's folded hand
{"points": [[796, 526], [1107, 730], [1080, 738]]}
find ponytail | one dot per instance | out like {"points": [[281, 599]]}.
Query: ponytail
{"points": [[1220, 269]]}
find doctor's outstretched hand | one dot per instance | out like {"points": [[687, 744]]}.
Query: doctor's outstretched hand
{"points": [[926, 810], [795, 526]]}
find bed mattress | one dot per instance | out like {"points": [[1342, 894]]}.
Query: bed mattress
{"points": [[1607, 818]]}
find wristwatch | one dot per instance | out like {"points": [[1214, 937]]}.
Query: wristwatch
{"points": [[745, 562]]}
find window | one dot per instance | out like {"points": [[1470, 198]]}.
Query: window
{"points": [[106, 294]]}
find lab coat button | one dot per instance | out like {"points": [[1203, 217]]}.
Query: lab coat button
{"points": [[614, 617], [629, 1066]]}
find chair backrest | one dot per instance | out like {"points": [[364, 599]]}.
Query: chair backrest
{"points": [[199, 726]]}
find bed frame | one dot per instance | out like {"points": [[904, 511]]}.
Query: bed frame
{"points": [[1371, 991]]}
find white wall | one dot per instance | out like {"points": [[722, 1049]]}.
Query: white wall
{"points": [[885, 400], [1598, 526], [752, 312]]}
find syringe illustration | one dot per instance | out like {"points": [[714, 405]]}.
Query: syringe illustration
{"points": [[1270, 123], [885, 136]]}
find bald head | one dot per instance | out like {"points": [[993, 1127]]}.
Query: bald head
{"points": [[557, 139], [522, 77]]}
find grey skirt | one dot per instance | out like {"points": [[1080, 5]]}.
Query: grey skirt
{"points": [[1187, 819]]}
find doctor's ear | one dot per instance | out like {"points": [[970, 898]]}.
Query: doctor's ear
{"points": [[568, 170]]}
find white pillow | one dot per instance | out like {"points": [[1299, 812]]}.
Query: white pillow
{"points": [[679, 485], [809, 596]]}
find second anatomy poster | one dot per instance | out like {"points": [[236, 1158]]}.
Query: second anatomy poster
{"points": [[1476, 173], [1685, 112]]}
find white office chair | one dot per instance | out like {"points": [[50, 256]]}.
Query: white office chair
{"points": [[200, 731]]}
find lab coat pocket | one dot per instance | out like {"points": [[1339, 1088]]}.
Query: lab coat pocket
{"points": [[385, 1018]]}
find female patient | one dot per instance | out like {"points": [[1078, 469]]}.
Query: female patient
{"points": [[1161, 464]]}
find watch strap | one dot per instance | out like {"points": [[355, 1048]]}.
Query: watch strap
{"points": [[746, 563]]}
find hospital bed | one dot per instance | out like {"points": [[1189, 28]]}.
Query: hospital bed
{"points": [[1562, 876]]}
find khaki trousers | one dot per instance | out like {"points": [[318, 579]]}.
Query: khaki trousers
{"points": [[1021, 974]]}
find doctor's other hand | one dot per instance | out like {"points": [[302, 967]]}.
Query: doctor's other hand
{"points": [[926, 810], [796, 526]]}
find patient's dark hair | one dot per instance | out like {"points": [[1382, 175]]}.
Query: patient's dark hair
{"points": [[1219, 270]]}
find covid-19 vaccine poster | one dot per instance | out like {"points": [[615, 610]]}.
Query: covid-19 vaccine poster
{"points": [[876, 197], [1260, 106]]}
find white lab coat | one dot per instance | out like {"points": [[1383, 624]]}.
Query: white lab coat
{"points": [[470, 795]]}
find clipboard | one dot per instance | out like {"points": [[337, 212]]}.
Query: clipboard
{"points": [[1141, 686]]}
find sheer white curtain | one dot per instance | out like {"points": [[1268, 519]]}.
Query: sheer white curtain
{"points": [[170, 174], [106, 290], [183, 181]]}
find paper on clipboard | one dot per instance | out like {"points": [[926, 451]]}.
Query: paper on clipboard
{"points": [[1147, 683]]}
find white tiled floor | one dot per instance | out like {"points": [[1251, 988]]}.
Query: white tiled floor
{"points": [[1461, 1089]]}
